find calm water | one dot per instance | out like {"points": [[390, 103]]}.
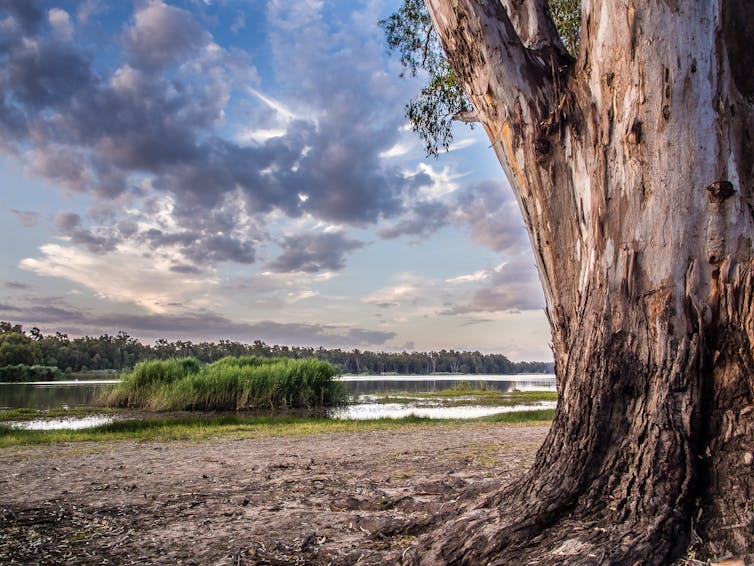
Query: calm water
{"points": [[363, 388], [52, 394], [369, 384], [363, 411], [56, 394], [69, 423]]}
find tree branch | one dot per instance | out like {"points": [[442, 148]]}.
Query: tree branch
{"points": [[468, 117], [534, 25], [498, 72]]}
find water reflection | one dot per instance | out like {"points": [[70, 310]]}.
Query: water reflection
{"points": [[363, 411], [52, 394], [366, 384], [57, 394], [68, 423], [364, 392]]}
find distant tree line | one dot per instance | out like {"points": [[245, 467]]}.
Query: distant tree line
{"points": [[106, 352]]}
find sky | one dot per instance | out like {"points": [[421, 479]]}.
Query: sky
{"points": [[243, 170]]}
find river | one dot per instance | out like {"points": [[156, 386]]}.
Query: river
{"points": [[364, 390], [56, 394]]}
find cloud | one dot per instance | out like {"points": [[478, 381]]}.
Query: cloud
{"points": [[60, 21], [513, 286], [27, 218], [192, 325], [492, 214], [407, 289], [487, 209], [185, 269], [313, 252], [162, 35], [44, 72], [425, 218], [124, 275], [88, 8], [62, 165], [204, 248], [151, 122], [25, 12], [472, 277], [69, 224]]}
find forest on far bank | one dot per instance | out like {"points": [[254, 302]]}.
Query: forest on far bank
{"points": [[20, 350]]}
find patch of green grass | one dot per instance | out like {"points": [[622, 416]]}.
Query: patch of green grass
{"points": [[461, 396], [521, 417], [233, 383], [61, 412], [201, 427]]}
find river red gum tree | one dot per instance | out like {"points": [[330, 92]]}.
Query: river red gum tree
{"points": [[632, 167]]}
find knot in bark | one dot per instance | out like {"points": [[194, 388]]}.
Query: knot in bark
{"points": [[719, 191]]}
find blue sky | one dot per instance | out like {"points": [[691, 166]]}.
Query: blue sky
{"points": [[243, 170]]}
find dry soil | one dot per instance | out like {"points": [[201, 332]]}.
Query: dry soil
{"points": [[339, 498]]}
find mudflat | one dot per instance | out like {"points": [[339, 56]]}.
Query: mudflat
{"points": [[336, 498]]}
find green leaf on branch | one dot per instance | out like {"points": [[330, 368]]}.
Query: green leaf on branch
{"points": [[410, 34]]}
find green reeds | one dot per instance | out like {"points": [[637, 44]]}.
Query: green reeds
{"points": [[247, 382]]}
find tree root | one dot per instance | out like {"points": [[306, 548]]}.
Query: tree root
{"points": [[514, 531]]}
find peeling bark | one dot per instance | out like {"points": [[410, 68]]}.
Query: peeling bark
{"points": [[633, 168]]}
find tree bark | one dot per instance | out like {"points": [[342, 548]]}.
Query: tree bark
{"points": [[633, 169]]}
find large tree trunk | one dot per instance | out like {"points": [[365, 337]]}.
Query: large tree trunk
{"points": [[633, 171]]}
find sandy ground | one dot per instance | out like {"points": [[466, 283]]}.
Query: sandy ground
{"points": [[340, 498]]}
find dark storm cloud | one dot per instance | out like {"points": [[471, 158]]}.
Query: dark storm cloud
{"points": [[155, 116], [314, 252]]}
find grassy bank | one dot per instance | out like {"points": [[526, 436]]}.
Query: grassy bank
{"points": [[465, 392], [201, 428], [246, 382]]}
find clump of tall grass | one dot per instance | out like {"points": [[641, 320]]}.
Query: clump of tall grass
{"points": [[233, 383]]}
